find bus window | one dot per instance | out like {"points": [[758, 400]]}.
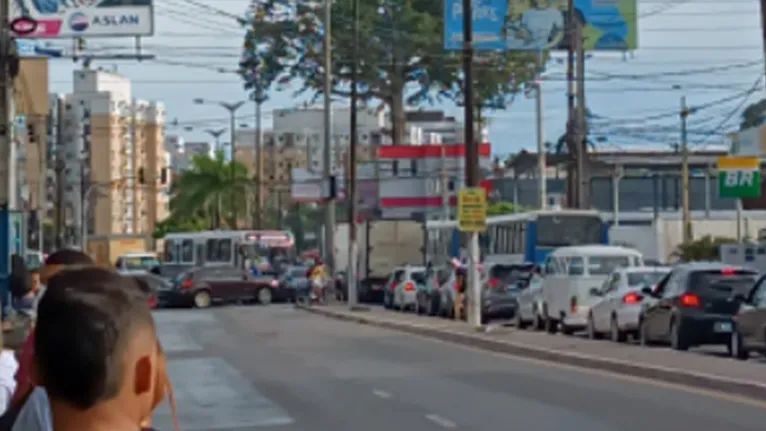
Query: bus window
{"points": [[224, 250], [187, 251], [170, 255]]}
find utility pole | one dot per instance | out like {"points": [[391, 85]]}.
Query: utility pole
{"points": [[763, 26], [471, 164], [232, 108], [353, 247], [572, 198], [685, 210], [542, 166], [329, 208], [259, 98], [581, 132], [7, 162], [59, 225], [444, 186]]}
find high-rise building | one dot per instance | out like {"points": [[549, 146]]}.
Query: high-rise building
{"points": [[113, 148]]}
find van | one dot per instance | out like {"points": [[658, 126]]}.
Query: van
{"points": [[570, 273]]}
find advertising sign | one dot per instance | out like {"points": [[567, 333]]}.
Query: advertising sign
{"points": [[739, 177], [749, 142], [536, 25], [472, 209], [40, 19]]}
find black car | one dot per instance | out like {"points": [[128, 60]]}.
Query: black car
{"points": [[158, 285], [695, 305], [750, 323]]}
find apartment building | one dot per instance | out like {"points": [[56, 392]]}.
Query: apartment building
{"points": [[116, 163]]}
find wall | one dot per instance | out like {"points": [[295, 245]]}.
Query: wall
{"points": [[31, 96]]}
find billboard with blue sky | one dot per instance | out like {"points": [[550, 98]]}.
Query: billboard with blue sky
{"points": [[536, 25]]}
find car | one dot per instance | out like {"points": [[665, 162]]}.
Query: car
{"points": [[406, 288], [529, 300], [201, 287], [695, 305], [749, 333], [500, 290], [429, 298], [293, 283], [156, 285], [620, 302]]}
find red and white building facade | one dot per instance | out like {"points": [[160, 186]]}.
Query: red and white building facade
{"points": [[410, 178]]}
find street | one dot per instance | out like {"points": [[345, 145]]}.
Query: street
{"points": [[280, 368]]}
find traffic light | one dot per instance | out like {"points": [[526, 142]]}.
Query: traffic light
{"points": [[141, 178]]}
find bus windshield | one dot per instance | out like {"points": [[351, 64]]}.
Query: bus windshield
{"points": [[563, 230]]}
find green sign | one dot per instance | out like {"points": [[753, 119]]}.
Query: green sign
{"points": [[739, 177]]}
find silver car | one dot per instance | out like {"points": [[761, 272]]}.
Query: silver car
{"points": [[405, 295], [621, 302], [528, 314]]}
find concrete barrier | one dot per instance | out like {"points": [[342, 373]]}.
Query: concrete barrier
{"points": [[752, 390]]}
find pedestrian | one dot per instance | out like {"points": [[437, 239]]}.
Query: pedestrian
{"points": [[96, 352], [460, 285], [8, 368]]}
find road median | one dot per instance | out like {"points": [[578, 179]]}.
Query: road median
{"points": [[459, 333]]}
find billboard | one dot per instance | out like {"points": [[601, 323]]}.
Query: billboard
{"points": [[39, 19], [536, 25]]}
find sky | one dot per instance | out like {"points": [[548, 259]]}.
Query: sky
{"points": [[708, 51]]}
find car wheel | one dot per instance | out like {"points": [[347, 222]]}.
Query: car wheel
{"points": [[592, 334], [202, 299], [551, 326], [736, 350], [518, 321], [537, 322], [264, 296], [615, 334], [677, 339], [387, 301]]}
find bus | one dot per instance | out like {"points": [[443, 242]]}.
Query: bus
{"points": [[525, 237], [225, 248]]}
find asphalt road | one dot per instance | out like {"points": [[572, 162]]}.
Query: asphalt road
{"points": [[278, 368]]}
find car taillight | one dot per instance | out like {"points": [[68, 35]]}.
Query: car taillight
{"points": [[409, 287], [728, 271], [632, 298], [689, 300], [493, 283], [573, 304], [187, 284], [274, 283]]}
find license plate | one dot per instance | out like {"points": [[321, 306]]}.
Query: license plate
{"points": [[722, 327]]}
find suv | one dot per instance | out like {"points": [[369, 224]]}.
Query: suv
{"points": [[695, 305]]}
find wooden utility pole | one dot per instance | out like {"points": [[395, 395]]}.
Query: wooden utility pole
{"points": [[572, 200], [353, 247], [583, 183]]}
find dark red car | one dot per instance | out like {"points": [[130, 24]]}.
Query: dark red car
{"points": [[201, 287]]}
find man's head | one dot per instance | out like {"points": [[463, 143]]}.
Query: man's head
{"points": [[95, 343], [63, 258], [34, 275]]}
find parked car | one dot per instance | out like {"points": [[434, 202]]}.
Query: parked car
{"points": [[397, 277], [749, 333], [695, 305], [530, 299], [201, 287], [156, 285], [429, 298], [620, 302], [405, 295], [136, 263], [571, 273]]}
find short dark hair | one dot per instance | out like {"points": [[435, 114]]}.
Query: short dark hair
{"points": [[85, 321], [69, 256]]}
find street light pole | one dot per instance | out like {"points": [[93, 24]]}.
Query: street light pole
{"points": [[216, 135], [329, 209], [259, 97], [686, 212]]}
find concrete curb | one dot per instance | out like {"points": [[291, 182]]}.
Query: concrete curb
{"points": [[666, 375]]}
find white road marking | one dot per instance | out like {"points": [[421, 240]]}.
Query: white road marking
{"points": [[382, 394], [442, 422]]}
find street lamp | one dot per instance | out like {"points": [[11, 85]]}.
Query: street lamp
{"points": [[216, 134], [232, 107]]}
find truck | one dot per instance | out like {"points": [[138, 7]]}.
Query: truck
{"points": [[107, 248], [383, 245]]}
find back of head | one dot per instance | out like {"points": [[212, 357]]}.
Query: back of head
{"points": [[86, 323], [69, 256], [21, 280]]}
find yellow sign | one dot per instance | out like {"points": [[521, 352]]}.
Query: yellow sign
{"points": [[738, 163], [472, 209]]}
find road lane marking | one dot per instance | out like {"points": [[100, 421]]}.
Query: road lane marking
{"points": [[732, 398], [382, 394], [442, 422]]}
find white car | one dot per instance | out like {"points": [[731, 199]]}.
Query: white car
{"points": [[530, 302], [620, 302], [405, 297]]}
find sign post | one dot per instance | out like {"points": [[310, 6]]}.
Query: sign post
{"points": [[472, 209], [739, 177]]}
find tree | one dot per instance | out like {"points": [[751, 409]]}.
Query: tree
{"points": [[754, 115], [171, 225], [401, 56], [205, 191], [705, 248], [500, 208]]}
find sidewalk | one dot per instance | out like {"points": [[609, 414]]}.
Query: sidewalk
{"points": [[703, 370]]}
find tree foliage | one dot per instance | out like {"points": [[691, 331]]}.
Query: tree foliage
{"points": [[754, 115], [401, 57], [500, 208], [702, 249]]}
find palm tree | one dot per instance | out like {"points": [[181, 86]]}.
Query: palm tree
{"points": [[206, 190], [754, 115]]}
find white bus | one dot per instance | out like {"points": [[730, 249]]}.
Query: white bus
{"points": [[225, 247]]}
